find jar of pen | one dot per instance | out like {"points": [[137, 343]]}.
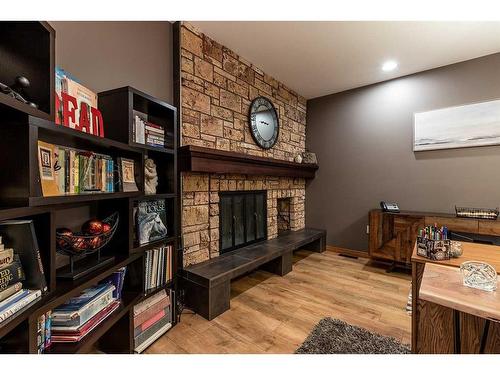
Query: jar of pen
{"points": [[433, 243]]}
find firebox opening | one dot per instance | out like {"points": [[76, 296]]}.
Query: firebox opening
{"points": [[283, 207], [242, 219]]}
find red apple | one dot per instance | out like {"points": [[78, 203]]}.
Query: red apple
{"points": [[80, 244], [95, 242], [92, 226], [106, 227], [64, 232]]}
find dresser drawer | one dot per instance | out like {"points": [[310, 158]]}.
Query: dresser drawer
{"points": [[491, 227], [454, 224]]}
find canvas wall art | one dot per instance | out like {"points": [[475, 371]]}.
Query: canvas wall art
{"points": [[468, 125]]}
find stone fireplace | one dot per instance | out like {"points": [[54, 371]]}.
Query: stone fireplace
{"points": [[217, 87], [201, 209]]}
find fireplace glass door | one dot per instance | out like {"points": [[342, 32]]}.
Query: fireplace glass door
{"points": [[242, 219]]}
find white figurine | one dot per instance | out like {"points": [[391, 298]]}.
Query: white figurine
{"points": [[150, 176]]}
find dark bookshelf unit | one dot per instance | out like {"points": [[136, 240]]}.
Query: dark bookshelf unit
{"points": [[21, 194], [118, 107]]}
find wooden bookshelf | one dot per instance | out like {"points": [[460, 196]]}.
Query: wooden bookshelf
{"points": [[21, 198]]}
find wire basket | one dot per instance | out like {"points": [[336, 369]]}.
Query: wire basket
{"points": [[477, 213], [84, 244]]}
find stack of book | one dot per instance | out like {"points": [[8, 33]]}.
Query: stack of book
{"points": [[22, 279], [43, 331], [158, 267], [75, 319], [152, 318], [146, 132], [70, 171]]}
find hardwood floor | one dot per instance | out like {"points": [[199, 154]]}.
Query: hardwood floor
{"points": [[272, 314]]}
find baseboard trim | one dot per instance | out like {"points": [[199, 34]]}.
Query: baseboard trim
{"points": [[348, 252]]}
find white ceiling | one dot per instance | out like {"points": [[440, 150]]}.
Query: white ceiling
{"points": [[320, 58]]}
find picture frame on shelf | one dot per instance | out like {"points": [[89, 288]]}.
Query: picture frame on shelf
{"points": [[126, 171]]}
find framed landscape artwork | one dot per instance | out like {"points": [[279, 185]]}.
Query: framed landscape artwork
{"points": [[468, 125]]}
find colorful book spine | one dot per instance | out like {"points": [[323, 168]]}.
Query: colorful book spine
{"points": [[152, 311], [10, 275], [159, 325], [148, 323], [6, 257], [76, 318], [13, 299], [146, 304], [41, 333], [48, 329], [10, 291], [31, 297]]}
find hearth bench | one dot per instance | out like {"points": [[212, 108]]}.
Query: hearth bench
{"points": [[208, 284]]}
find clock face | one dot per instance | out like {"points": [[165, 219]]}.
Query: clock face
{"points": [[264, 124]]}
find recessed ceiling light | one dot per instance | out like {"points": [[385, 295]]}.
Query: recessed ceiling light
{"points": [[389, 65]]}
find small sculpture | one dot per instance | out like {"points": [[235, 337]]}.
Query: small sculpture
{"points": [[150, 176], [17, 90], [309, 158], [298, 158]]}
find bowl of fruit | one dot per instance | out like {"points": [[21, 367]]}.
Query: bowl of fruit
{"points": [[94, 235]]}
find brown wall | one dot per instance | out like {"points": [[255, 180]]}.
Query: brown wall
{"points": [[111, 54], [363, 139]]}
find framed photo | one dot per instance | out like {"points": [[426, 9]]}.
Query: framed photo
{"points": [[126, 169], [469, 125]]}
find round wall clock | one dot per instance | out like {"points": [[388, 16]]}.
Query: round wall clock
{"points": [[264, 124]]}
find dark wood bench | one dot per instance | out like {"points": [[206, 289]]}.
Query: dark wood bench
{"points": [[208, 284]]}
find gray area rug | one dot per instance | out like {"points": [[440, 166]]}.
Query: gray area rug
{"points": [[333, 336]]}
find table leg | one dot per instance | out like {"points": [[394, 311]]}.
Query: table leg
{"points": [[484, 336], [456, 318]]}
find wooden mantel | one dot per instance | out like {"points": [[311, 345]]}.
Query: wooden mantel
{"points": [[207, 160]]}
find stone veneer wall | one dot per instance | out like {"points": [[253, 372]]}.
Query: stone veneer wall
{"points": [[217, 88]]}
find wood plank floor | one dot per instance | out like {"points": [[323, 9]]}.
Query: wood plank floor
{"points": [[272, 314]]}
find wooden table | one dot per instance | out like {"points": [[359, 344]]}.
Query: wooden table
{"points": [[448, 317]]}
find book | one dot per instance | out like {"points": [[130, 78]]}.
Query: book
{"points": [[6, 257], [13, 299], [71, 330], [10, 275], [85, 329], [147, 303], [40, 339], [27, 300], [21, 236], [126, 172], [155, 336], [79, 310], [10, 290], [81, 111], [117, 279], [152, 331], [61, 169], [151, 221], [151, 311], [151, 321], [48, 329], [46, 163], [158, 267]]}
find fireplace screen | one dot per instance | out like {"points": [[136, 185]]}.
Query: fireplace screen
{"points": [[242, 218]]}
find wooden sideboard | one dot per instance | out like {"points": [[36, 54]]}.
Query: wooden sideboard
{"points": [[393, 235]]}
